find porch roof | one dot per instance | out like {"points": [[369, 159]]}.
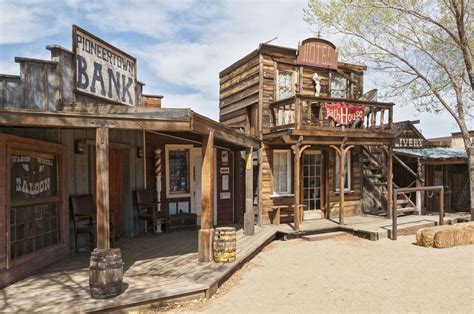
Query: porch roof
{"points": [[432, 153], [130, 118]]}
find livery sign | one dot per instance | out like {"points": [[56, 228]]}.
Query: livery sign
{"points": [[103, 71], [343, 113]]}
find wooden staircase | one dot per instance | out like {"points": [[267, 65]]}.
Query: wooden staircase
{"points": [[374, 178]]}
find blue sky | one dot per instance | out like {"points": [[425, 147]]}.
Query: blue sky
{"points": [[180, 45]]}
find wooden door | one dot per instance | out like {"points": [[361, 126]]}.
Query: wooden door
{"points": [[116, 190], [312, 174]]}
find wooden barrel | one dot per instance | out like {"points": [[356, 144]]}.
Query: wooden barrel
{"points": [[224, 246], [105, 273]]}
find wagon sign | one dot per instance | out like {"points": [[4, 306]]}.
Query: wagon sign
{"points": [[343, 113], [103, 71]]}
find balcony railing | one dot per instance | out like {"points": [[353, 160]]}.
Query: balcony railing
{"points": [[306, 112]]}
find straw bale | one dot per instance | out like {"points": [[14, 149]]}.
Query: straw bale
{"points": [[455, 236], [425, 236]]}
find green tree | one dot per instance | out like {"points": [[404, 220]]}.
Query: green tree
{"points": [[423, 48]]}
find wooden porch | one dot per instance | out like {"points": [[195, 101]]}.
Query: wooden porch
{"points": [[369, 226], [156, 268]]}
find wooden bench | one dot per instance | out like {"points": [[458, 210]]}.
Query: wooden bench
{"points": [[278, 210]]}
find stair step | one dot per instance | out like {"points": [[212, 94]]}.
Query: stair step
{"points": [[402, 201], [374, 175], [323, 236], [379, 183], [406, 210]]}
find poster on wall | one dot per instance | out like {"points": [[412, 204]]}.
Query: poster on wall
{"points": [[343, 113], [32, 175], [102, 70]]}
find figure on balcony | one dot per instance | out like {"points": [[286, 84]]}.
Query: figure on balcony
{"points": [[317, 84]]}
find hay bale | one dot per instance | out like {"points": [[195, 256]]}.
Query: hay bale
{"points": [[425, 236], [455, 236]]}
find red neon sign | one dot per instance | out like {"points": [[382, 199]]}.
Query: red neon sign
{"points": [[343, 113]]}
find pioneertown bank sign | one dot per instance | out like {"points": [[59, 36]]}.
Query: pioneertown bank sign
{"points": [[103, 71]]}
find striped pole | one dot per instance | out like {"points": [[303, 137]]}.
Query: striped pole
{"points": [[158, 176]]}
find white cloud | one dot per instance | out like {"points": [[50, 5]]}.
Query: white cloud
{"points": [[23, 22]]}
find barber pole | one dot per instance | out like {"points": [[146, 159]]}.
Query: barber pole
{"points": [[158, 181]]}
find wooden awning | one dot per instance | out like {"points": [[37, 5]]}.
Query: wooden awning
{"points": [[129, 118]]}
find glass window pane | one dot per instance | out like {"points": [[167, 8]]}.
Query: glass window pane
{"points": [[178, 171]]}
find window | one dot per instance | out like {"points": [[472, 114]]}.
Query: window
{"points": [[34, 202], [284, 85], [177, 174], [281, 172], [339, 87], [347, 172]]}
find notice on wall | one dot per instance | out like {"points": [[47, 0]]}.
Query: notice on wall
{"points": [[225, 182], [225, 195], [32, 175], [102, 70], [225, 157]]}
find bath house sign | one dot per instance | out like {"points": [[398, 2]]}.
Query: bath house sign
{"points": [[343, 113]]}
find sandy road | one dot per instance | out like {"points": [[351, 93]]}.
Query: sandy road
{"points": [[348, 274]]}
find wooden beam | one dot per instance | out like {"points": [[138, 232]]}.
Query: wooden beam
{"points": [[390, 181], [207, 199], [75, 120], [249, 216], [296, 151], [202, 125], [102, 187]]}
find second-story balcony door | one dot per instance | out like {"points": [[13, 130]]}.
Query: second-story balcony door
{"points": [[312, 162]]}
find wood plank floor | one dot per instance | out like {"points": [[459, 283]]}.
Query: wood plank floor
{"points": [[156, 267], [372, 227]]}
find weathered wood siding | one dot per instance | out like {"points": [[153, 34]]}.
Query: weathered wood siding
{"points": [[352, 199], [82, 166], [239, 94], [47, 84]]}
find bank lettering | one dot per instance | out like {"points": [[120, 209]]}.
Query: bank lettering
{"points": [[102, 70], [343, 113]]}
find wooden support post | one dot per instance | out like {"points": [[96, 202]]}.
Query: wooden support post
{"points": [[342, 152], [297, 220], [102, 186], [441, 206], [342, 179], [390, 181], [207, 199], [249, 216], [418, 185], [259, 189], [394, 215]]}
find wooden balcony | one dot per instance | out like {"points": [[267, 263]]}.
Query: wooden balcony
{"points": [[309, 112]]}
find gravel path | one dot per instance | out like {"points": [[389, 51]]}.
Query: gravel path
{"points": [[348, 274]]}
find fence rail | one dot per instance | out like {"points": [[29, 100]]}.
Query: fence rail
{"points": [[439, 188]]}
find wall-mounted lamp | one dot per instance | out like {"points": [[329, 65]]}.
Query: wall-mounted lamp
{"points": [[139, 152], [79, 146]]}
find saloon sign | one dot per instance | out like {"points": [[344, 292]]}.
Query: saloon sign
{"points": [[103, 71], [343, 113], [32, 175]]}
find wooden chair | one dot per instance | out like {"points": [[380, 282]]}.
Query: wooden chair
{"points": [[148, 210], [83, 214]]}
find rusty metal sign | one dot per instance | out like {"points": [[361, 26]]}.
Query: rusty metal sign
{"points": [[102, 70], [318, 53], [343, 113]]}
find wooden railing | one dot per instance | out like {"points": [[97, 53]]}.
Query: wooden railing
{"points": [[439, 188], [303, 112]]}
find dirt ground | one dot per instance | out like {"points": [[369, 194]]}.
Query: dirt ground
{"points": [[346, 274]]}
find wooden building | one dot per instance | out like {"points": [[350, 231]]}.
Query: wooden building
{"points": [[321, 132], [432, 162], [79, 124]]}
